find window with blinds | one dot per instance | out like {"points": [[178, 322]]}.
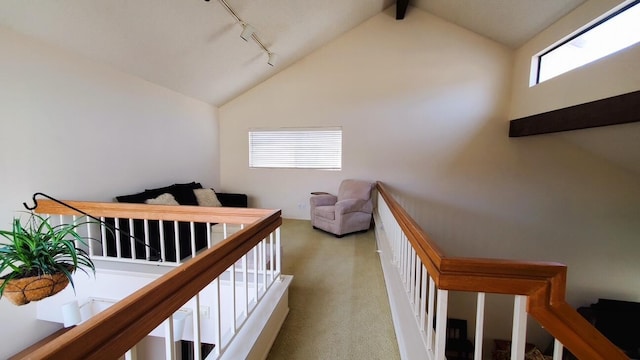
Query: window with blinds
{"points": [[319, 148]]}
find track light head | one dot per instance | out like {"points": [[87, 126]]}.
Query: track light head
{"points": [[247, 32], [272, 58]]}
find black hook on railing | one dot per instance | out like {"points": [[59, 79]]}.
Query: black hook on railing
{"points": [[35, 201], [154, 257]]}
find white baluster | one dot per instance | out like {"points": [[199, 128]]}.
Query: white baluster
{"points": [[518, 337], [132, 245], [278, 254], [145, 237], [118, 245], [479, 325], [192, 233], [557, 350], [441, 323], [103, 236], [218, 319], [423, 296], [232, 280], [197, 335], [430, 313], [177, 241], [169, 344]]}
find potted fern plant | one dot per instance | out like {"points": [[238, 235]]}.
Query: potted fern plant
{"points": [[39, 258]]}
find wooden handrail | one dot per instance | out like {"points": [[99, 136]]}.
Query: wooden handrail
{"points": [[543, 282], [155, 212], [115, 330]]}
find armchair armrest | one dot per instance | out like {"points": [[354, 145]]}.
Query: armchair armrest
{"points": [[323, 200], [352, 205]]}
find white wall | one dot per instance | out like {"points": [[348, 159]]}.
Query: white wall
{"points": [[79, 130], [423, 105], [406, 94]]}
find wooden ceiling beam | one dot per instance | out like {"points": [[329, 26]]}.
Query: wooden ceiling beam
{"points": [[401, 9], [615, 110]]}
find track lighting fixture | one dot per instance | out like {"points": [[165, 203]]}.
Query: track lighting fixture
{"points": [[272, 58], [249, 32]]}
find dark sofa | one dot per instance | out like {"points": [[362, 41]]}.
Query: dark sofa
{"points": [[617, 320], [183, 195]]}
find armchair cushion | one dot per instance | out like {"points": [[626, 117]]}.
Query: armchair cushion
{"points": [[352, 205], [327, 212], [355, 189]]}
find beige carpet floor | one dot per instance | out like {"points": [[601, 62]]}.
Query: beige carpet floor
{"points": [[338, 302]]}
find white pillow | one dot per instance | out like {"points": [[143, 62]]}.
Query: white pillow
{"points": [[163, 199], [206, 197]]}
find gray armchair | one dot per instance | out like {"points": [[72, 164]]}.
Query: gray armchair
{"points": [[348, 212]]}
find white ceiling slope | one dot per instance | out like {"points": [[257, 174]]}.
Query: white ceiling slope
{"points": [[194, 47], [510, 22]]}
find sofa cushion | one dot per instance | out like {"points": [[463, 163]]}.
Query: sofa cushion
{"points": [[327, 212], [182, 192], [138, 198], [162, 199], [233, 200], [207, 197]]}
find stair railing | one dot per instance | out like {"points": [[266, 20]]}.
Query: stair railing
{"points": [[427, 275]]}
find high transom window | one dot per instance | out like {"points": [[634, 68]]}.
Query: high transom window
{"points": [[306, 148], [613, 32]]}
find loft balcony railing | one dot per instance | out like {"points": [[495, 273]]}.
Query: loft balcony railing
{"points": [[420, 277], [236, 271], [414, 266]]}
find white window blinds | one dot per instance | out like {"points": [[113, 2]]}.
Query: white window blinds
{"points": [[319, 148]]}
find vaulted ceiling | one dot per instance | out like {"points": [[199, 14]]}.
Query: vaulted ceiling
{"points": [[194, 46]]}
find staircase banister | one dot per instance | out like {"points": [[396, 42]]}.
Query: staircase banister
{"points": [[112, 332], [543, 282]]}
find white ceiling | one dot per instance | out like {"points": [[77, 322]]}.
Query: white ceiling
{"points": [[193, 46]]}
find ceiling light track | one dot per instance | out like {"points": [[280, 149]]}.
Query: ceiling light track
{"points": [[248, 32]]}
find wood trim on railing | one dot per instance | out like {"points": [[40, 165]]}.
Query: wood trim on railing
{"points": [[115, 330], [543, 282]]}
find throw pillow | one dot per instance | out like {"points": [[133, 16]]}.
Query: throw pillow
{"points": [[183, 193], [206, 197], [162, 199], [534, 354]]}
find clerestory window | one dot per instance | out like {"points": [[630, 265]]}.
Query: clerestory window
{"points": [[615, 31]]}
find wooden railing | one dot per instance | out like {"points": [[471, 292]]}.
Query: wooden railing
{"points": [[542, 284], [112, 332]]}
